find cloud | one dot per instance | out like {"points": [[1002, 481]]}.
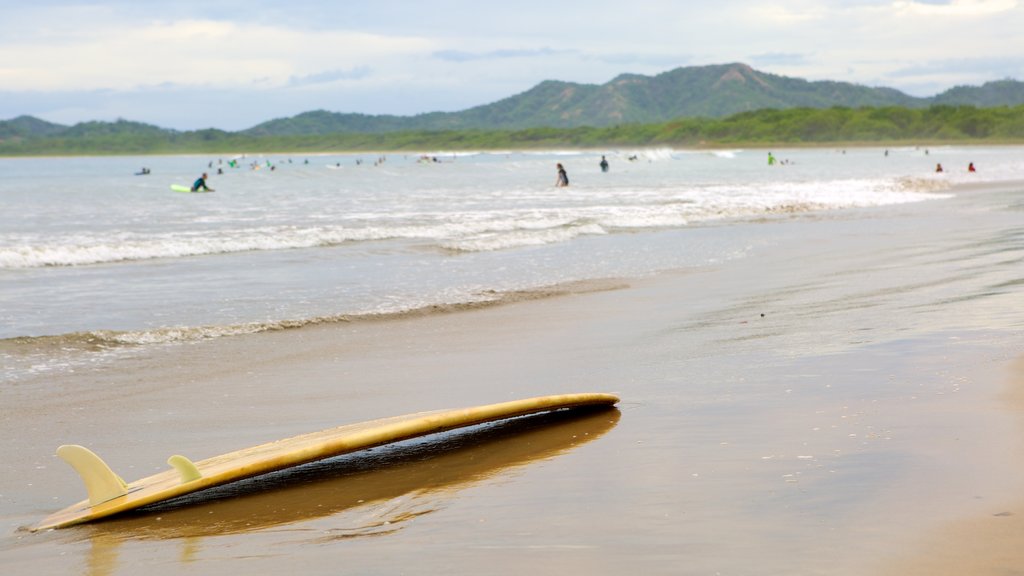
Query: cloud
{"points": [[954, 8], [778, 58], [500, 54], [647, 60], [660, 61], [789, 14], [355, 73], [199, 53], [980, 67]]}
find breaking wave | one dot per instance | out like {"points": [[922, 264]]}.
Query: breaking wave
{"points": [[589, 212]]}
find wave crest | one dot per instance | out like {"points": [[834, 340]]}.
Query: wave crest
{"points": [[584, 212]]}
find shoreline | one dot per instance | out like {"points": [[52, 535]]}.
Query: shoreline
{"points": [[94, 340]]}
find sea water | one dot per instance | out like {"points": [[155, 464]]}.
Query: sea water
{"points": [[96, 260]]}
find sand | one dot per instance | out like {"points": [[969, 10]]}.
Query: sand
{"points": [[844, 400], [986, 543]]}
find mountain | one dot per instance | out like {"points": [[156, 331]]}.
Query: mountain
{"points": [[704, 91], [990, 94], [324, 122], [697, 91], [120, 127], [29, 127]]}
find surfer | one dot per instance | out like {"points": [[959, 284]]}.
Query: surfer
{"points": [[563, 179], [604, 164], [201, 183]]}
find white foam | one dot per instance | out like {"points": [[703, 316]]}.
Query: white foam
{"points": [[458, 224], [522, 238], [730, 154]]}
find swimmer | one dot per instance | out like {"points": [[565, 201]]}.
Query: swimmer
{"points": [[563, 178]]}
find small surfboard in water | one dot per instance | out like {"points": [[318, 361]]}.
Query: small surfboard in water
{"points": [[109, 494], [186, 189]]}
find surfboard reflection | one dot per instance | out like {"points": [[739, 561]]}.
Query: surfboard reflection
{"points": [[392, 484]]}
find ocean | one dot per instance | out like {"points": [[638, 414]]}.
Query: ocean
{"points": [[97, 261]]}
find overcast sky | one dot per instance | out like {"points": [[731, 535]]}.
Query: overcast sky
{"points": [[232, 64]]}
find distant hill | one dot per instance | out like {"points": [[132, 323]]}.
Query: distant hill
{"points": [[324, 122], [120, 127], [697, 91], [29, 127], [998, 93], [691, 92], [704, 91]]}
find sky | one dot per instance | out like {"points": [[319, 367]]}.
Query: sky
{"points": [[189, 64]]}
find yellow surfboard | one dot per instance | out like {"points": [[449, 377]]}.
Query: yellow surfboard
{"points": [[109, 494]]}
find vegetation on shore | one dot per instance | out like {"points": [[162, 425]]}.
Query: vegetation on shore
{"points": [[794, 126]]}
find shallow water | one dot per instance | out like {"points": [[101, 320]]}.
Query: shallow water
{"points": [[94, 257]]}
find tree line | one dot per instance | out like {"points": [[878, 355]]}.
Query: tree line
{"points": [[794, 126]]}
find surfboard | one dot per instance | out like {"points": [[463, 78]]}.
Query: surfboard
{"points": [[110, 495], [186, 189]]}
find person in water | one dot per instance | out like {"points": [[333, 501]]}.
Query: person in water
{"points": [[563, 179], [604, 164], [970, 167], [201, 183], [938, 167]]}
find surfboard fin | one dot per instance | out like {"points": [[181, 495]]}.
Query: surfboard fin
{"points": [[186, 469], [100, 481]]}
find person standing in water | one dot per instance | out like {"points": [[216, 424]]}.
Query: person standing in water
{"points": [[563, 179], [604, 164], [201, 183]]}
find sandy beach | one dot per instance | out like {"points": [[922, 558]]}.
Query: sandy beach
{"points": [[985, 543], [845, 401]]}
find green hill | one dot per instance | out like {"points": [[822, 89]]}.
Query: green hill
{"points": [[96, 129], [28, 127], [998, 93], [698, 91], [692, 105]]}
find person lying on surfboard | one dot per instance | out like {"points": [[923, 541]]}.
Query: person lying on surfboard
{"points": [[201, 183]]}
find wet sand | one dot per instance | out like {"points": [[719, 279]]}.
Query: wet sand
{"points": [[988, 542], [833, 403]]}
